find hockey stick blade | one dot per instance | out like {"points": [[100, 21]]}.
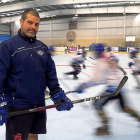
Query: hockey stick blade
{"points": [[123, 81], [116, 92]]}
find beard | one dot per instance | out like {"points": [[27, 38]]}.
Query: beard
{"points": [[30, 33]]}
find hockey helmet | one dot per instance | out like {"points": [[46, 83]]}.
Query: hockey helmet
{"points": [[52, 48], [133, 53], [99, 48], [109, 48]]}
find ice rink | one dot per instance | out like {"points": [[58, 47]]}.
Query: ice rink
{"points": [[80, 123]]}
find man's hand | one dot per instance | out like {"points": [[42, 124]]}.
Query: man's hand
{"points": [[63, 100], [3, 110]]}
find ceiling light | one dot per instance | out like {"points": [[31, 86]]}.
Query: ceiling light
{"points": [[84, 5], [131, 2], [8, 14], [92, 4], [38, 9], [4, 1], [102, 4], [77, 6], [76, 15], [105, 4]]}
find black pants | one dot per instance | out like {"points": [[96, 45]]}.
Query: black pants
{"points": [[19, 127], [102, 101], [76, 71]]}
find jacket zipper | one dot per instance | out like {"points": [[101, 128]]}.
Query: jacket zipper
{"points": [[37, 69], [15, 93]]}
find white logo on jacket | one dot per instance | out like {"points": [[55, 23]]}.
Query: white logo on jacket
{"points": [[40, 52], [21, 48]]}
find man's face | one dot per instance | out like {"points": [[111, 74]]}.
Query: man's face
{"points": [[30, 26]]}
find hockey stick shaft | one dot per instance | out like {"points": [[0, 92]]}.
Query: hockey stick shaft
{"points": [[123, 81], [90, 62], [77, 91], [75, 96], [91, 58]]}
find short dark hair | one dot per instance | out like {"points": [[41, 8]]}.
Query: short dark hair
{"points": [[29, 11]]}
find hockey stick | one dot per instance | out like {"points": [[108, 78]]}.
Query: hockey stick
{"points": [[123, 81], [90, 62], [77, 91], [91, 58], [75, 96]]}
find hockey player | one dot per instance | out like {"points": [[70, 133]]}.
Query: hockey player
{"points": [[136, 71], [84, 51], [107, 70], [75, 63], [79, 52], [67, 50], [111, 53], [83, 48], [52, 50]]}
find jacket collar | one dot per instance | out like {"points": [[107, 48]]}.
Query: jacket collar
{"points": [[30, 39]]}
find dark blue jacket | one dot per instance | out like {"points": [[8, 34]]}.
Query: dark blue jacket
{"points": [[26, 68]]}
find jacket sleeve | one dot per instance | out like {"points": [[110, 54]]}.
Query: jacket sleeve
{"points": [[51, 75], [5, 62]]}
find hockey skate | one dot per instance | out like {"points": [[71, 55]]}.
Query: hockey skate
{"points": [[132, 113], [102, 131], [75, 77]]}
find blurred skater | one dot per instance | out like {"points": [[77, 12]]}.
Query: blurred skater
{"points": [[75, 63], [108, 71], [136, 71]]}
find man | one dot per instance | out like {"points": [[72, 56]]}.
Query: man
{"points": [[111, 53], [26, 68], [136, 64]]}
